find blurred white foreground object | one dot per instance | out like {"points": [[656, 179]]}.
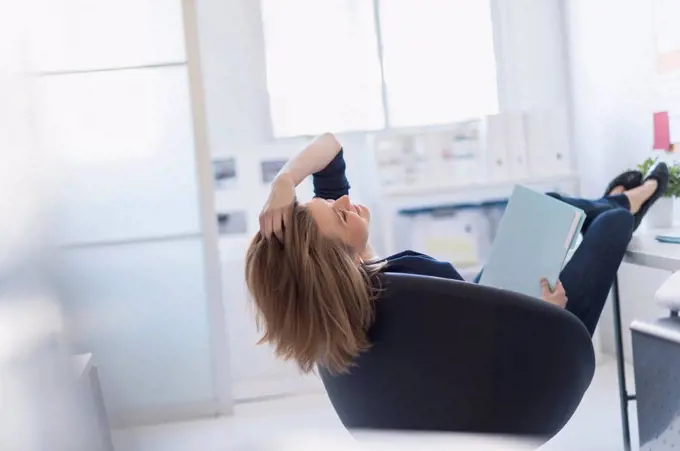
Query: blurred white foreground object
{"points": [[39, 406], [669, 294], [87, 375]]}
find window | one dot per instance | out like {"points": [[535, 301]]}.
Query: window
{"points": [[438, 59], [325, 73]]}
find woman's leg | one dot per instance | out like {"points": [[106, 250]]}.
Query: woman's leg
{"points": [[588, 276], [594, 208]]}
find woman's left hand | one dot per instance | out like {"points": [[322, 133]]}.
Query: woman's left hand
{"points": [[557, 296]]}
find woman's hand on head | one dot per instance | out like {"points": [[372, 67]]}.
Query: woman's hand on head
{"points": [[277, 210], [557, 296]]}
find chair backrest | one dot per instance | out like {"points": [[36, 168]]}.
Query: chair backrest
{"points": [[456, 356]]}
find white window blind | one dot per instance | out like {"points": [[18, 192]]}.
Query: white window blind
{"points": [[324, 69], [323, 72]]}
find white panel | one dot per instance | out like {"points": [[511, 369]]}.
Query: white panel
{"points": [[142, 311], [234, 75], [534, 54], [612, 78], [125, 143], [84, 34]]}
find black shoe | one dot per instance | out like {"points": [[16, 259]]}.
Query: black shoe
{"points": [[660, 174], [628, 179]]}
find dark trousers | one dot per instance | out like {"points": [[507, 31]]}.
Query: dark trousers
{"points": [[589, 274]]}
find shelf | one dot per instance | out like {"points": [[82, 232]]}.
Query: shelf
{"points": [[424, 196], [420, 189]]}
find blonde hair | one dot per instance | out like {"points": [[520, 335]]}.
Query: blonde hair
{"points": [[314, 302]]}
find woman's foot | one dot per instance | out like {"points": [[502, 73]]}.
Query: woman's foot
{"points": [[623, 182], [619, 189], [638, 196], [642, 198]]}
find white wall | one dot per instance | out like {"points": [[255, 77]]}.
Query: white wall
{"points": [[611, 48], [232, 56], [532, 63]]}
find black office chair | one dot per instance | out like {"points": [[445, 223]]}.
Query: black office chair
{"points": [[460, 357]]}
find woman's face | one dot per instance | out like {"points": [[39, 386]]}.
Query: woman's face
{"points": [[342, 219]]}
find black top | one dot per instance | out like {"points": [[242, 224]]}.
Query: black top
{"points": [[331, 183]]}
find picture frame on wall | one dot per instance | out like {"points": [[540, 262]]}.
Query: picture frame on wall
{"points": [[232, 222], [225, 173], [270, 168]]}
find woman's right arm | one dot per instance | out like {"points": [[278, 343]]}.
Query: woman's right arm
{"points": [[313, 158]]}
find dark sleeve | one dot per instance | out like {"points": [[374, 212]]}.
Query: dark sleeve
{"points": [[410, 262], [331, 182], [444, 270]]}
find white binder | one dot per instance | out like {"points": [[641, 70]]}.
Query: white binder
{"points": [[515, 136], [548, 143], [496, 147]]}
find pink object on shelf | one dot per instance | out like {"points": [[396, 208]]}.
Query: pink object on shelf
{"points": [[662, 131]]}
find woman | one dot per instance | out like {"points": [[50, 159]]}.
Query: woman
{"points": [[313, 275]]}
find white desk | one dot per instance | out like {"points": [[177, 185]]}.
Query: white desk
{"points": [[644, 250]]}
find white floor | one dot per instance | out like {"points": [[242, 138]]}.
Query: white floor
{"points": [[595, 426]]}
